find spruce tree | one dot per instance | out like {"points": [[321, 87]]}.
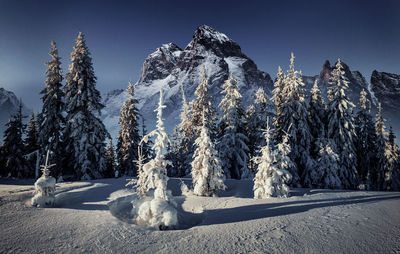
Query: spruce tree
{"points": [[392, 179], [51, 121], [184, 137], [293, 113], [256, 122], [110, 161], [278, 101], [317, 116], [13, 148], [232, 146], [365, 138], [129, 137], [203, 102], [207, 174], [153, 174], [84, 133], [31, 141], [326, 175], [341, 127], [272, 169]]}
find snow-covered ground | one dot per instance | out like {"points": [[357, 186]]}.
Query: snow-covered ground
{"points": [[94, 217]]}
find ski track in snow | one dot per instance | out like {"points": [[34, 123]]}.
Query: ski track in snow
{"points": [[311, 221]]}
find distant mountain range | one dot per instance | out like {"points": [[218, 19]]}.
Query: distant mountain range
{"points": [[169, 66]]}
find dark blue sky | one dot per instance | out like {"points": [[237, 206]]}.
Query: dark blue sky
{"points": [[120, 34]]}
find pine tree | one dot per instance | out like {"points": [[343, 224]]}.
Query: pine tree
{"points": [[392, 178], [147, 152], [110, 161], [207, 174], [84, 133], [13, 148], [386, 160], [365, 138], [256, 122], [328, 167], [31, 142], [341, 127], [129, 137], [232, 147], [272, 169], [184, 137], [203, 102], [316, 122], [293, 112], [317, 115], [153, 174], [278, 100], [160, 211], [51, 121], [45, 186]]}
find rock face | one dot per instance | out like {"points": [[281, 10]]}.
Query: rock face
{"points": [[386, 87], [8, 106], [170, 66]]}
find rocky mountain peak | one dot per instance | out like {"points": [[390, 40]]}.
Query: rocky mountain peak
{"points": [[208, 39]]}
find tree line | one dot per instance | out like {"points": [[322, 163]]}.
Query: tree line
{"points": [[331, 144]]}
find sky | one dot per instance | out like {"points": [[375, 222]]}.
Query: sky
{"points": [[121, 34]]}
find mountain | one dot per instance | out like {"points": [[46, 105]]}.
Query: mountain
{"points": [[170, 66], [8, 106]]}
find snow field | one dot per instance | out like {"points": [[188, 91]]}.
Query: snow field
{"points": [[95, 216]]}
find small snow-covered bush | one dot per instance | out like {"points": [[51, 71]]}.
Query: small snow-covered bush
{"points": [[45, 187]]}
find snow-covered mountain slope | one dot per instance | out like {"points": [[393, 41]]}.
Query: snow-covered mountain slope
{"points": [[170, 66], [94, 217], [8, 106]]}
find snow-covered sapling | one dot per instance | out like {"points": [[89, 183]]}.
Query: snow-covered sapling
{"points": [[160, 209], [45, 186]]}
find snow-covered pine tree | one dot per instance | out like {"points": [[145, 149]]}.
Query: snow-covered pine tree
{"points": [[147, 152], [278, 100], [110, 161], [154, 173], [84, 133], [293, 111], [207, 174], [365, 138], [45, 186], [51, 121], [13, 147], [385, 159], [341, 127], [129, 137], [185, 135], [256, 121], [327, 167], [393, 178], [31, 142], [317, 116], [316, 122], [272, 169], [161, 210], [232, 146], [203, 102]]}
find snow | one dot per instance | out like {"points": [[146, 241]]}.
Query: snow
{"points": [[94, 217]]}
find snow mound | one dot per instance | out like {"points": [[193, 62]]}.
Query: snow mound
{"points": [[157, 213]]}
